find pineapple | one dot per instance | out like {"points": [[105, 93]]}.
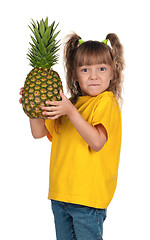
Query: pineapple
{"points": [[42, 83]]}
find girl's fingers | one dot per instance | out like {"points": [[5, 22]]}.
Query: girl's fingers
{"points": [[21, 91], [50, 113], [54, 117], [54, 103], [50, 109]]}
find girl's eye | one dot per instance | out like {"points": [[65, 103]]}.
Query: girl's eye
{"points": [[102, 69], [84, 70]]}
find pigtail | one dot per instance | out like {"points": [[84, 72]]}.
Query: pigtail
{"points": [[118, 64], [70, 48]]}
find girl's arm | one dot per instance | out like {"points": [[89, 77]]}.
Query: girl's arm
{"points": [[38, 128], [95, 137]]}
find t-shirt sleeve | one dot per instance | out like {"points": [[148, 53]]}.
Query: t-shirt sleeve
{"points": [[50, 127], [106, 113]]}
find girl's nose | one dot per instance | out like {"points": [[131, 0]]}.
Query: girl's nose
{"points": [[93, 75]]}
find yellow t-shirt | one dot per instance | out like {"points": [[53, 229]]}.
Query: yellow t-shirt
{"points": [[78, 174]]}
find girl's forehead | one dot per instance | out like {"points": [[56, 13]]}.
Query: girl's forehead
{"points": [[92, 60], [92, 56], [95, 65]]}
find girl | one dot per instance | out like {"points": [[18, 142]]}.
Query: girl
{"points": [[85, 131]]}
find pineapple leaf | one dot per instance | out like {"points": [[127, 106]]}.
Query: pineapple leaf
{"points": [[35, 42], [53, 38], [35, 50], [38, 26], [46, 23], [47, 32], [42, 28], [45, 39], [56, 27], [37, 35], [34, 56], [52, 29], [32, 62], [35, 31], [44, 47], [31, 29], [31, 57], [34, 25], [50, 47]]}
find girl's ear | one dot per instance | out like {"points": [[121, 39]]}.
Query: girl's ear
{"points": [[112, 73], [75, 76]]}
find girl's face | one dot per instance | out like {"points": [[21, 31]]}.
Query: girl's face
{"points": [[94, 79]]}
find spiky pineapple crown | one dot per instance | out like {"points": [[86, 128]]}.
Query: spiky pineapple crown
{"points": [[44, 47]]}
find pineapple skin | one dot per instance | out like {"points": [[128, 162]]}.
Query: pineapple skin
{"points": [[40, 85]]}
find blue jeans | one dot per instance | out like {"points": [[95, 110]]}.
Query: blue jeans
{"points": [[77, 222]]}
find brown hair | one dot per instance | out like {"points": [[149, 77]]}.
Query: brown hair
{"points": [[93, 52]]}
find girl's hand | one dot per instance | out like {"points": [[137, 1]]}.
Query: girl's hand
{"points": [[58, 108], [21, 92], [95, 137]]}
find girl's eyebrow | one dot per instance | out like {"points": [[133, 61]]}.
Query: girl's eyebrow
{"points": [[99, 64], [102, 64], [84, 66]]}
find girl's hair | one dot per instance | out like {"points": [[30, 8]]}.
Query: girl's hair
{"points": [[93, 52]]}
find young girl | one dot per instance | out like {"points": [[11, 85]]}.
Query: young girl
{"points": [[87, 138]]}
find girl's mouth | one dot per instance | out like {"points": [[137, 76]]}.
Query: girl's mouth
{"points": [[94, 84]]}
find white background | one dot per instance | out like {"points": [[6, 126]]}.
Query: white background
{"points": [[25, 211]]}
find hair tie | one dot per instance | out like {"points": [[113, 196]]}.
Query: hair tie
{"points": [[80, 41], [105, 41]]}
